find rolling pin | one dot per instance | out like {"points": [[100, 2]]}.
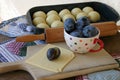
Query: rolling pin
{"points": [[57, 34], [50, 35], [107, 28]]}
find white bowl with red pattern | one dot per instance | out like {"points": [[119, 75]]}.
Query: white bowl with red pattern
{"points": [[83, 45]]}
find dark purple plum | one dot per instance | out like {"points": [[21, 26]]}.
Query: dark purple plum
{"points": [[90, 31], [82, 22], [76, 33], [53, 53], [69, 24]]}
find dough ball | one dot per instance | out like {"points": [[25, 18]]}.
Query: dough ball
{"points": [[68, 16], [52, 12], [63, 12], [94, 16], [42, 25], [39, 14], [38, 20], [51, 18], [88, 9], [56, 24], [75, 11], [81, 14]]}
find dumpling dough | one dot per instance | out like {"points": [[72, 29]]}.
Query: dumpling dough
{"points": [[51, 18], [63, 12], [88, 9], [68, 16], [39, 14], [38, 20], [52, 12], [42, 25], [75, 11], [94, 16], [81, 14], [57, 24]]}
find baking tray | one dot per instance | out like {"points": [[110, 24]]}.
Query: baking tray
{"points": [[107, 12]]}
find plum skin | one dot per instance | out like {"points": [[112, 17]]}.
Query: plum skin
{"points": [[53, 53]]}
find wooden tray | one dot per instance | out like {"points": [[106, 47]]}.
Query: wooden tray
{"points": [[81, 64]]}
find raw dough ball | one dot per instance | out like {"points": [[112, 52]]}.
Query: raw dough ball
{"points": [[63, 12], [51, 18], [81, 14], [38, 20], [39, 14], [68, 16], [94, 16], [75, 11], [56, 24], [42, 25], [52, 12], [88, 9]]}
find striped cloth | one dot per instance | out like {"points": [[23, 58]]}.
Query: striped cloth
{"points": [[6, 55], [14, 47], [2, 58], [82, 77], [85, 77], [16, 27], [79, 77], [11, 51]]}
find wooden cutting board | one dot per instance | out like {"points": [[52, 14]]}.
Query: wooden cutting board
{"points": [[81, 64]]}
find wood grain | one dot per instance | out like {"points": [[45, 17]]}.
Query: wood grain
{"points": [[71, 70]]}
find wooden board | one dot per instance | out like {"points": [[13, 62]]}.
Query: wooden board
{"points": [[81, 64]]}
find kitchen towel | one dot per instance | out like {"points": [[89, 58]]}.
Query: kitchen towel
{"points": [[16, 27]]}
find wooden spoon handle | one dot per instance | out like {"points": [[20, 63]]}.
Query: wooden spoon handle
{"points": [[30, 38]]}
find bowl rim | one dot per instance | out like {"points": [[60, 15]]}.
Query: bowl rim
{"points": [[96, 36]]}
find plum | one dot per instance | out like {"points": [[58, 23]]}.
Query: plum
{"points": [[53, 53], [69, 24], [82, 22], [89, 31], [77, 33]]}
